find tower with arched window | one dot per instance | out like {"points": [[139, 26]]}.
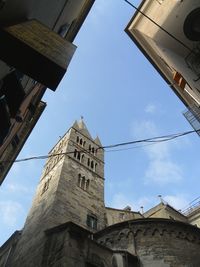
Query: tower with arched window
{"points": [[71, 188]]}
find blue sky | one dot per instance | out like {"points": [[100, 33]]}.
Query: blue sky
{"points": [[122, 98]]}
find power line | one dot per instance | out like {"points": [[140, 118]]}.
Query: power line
{"points": [[150, 141], [153, 139], [159, 26], [129, 148]]}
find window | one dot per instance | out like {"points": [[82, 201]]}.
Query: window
{"points": [[81, 141], [92, 222], [83, 182], [46, 186], [92, 164], [95, 167], [87, 185], [75, 153], [79, 180], [88, 163], [77, 139], [82, 158]]}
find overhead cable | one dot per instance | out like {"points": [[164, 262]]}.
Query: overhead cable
{"points": [[150, 141]]}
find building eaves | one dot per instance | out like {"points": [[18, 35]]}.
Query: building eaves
{"points": [[145, 53]]}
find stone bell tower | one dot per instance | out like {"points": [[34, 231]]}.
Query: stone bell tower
{"points": [[71, 188]]}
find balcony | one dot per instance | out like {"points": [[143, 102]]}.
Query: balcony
{"points": [[193, 117]]}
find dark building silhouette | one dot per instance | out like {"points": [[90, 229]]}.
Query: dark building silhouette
{"points": [[35, 50]]}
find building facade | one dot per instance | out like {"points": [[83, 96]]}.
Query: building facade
{"points": [[69, 224], [167, 33], [36, 39]]}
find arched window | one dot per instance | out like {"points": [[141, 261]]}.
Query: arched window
{"points": [[92, 164], [82, 158], [75, 153], [83, 182], [79, 156], [88, 163], [89, 148], [84, 143], [81, 141], [93, 150], [77, 139], [95, 168]]}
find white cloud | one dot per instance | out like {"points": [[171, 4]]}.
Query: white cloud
{"points": [[10, 212], [144, 129], [150, 108], [120, 201], [162, 168], [163, 171], [17, 188]]}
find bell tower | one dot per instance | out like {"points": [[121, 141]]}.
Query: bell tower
{"points": [[71, 188]]}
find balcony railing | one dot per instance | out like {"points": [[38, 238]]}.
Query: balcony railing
{"points": [[193, 207], [193, 117]]}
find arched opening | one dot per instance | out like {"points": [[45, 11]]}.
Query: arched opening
{"points": [[95, 168], [83, 183], [82, 158], [92, 164], [75, 153], [79, 180], [88, 163], [81, 141], [87, 185], [77, 139]]}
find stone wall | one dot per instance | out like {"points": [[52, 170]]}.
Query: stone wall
{"points": [[71, 245], [118, 215], [194, 217], [157, 242]]}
